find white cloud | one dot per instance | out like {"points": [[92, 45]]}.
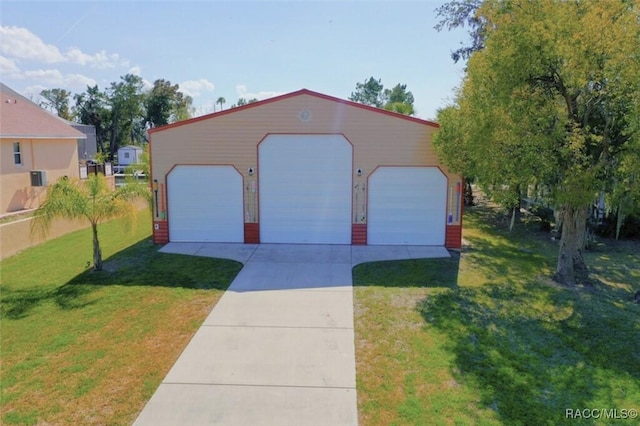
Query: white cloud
{"points": [[48, 76], [33, 92], [195, 88], [8, 66], [135, 70], [242, 92], [54, 78], [101, 59], [20, 43]]}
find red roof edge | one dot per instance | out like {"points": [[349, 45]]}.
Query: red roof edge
{"points": [[291, 95]]}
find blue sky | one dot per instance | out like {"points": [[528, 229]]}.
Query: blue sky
{"points": [[230, 49]]}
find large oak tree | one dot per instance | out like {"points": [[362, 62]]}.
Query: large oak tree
{"points": [[551, 97]]}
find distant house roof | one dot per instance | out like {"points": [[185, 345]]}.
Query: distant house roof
{"points": [[21, 118], [137, 148]]}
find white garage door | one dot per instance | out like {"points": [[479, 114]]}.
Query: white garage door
{"points": [[205, 204], [305, 189], [407, 205]]}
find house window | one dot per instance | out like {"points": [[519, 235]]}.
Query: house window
{"points": [[17, 155], [126, 155]]}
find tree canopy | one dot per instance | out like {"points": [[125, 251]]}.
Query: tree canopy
{"points": [[373, 93], [165, 104], [551, 98], [57, 101], [244, 101], [123, 111]]}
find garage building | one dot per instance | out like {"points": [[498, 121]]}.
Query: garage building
{"points": [[303, 168]]}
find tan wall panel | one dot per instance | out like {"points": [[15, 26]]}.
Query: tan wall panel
{"points": [[58, 157], [16, 236], [232, 138], [18, 194]]}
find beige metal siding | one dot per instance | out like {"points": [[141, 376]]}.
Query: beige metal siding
{"points": [[378, 140]]}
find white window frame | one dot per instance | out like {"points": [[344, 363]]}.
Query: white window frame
{"points": [[17, 154]]}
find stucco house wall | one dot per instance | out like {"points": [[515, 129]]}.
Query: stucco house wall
{"points": [[56, 157], [47, 143]]}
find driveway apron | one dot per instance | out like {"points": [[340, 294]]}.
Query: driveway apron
{"points": [[277, 349]]}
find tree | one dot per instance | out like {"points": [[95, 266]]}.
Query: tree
{"points": [[221, 101], [91, 199], [550, 98], [399, 100], [457, 14], [369, 93], [126, 100], [623, 197], [91, 108], [165, 104], [373, 93], [57, 101], [243, 101]]}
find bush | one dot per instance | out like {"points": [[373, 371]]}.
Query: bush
{"points": [[630, 227]]}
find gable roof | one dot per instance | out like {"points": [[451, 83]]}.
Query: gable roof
{"points": [[292, 95], [21, 118]]}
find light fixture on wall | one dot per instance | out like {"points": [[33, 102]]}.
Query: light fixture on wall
{"points": [[250, 171], [359, 172], [155, 194]]}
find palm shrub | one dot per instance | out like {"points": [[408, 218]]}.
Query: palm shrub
{"points": [[91, 199]]}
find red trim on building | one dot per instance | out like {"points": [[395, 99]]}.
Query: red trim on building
{"points": [[160, 232], [252, 233], [292, 95], [453, 237], [359, 234]]}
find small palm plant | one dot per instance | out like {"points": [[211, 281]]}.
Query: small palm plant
{"points": [[221, 101], [91, 199]]}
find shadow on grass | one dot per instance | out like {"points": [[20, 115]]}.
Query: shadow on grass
{"points": [[535, 351], [503, 258], [143, 265], [409, 273], [138, 265], [17, 304]]}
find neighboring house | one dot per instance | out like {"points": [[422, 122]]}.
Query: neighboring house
{"points": [[303, 168], [129, 155], [88, 146], [36, 149]]}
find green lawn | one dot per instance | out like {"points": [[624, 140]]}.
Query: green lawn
{"points": [[481, 338], [485, 338], [81, 347]]}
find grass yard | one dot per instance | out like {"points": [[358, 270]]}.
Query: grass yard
{"points": [[89, 348], [485, 338]]}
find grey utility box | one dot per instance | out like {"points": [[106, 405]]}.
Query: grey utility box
{"points": [[38, 178]]}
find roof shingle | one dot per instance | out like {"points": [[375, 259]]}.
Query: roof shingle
{"points": [[21, 118]]}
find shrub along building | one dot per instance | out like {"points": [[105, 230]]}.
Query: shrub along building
{"points": [[303, 168]]}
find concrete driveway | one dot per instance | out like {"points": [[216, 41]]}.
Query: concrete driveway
{"points": [[278, 348]]}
